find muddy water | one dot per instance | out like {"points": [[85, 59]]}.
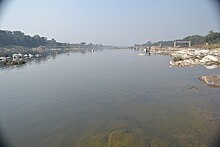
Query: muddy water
{"points": [[112, 98]]}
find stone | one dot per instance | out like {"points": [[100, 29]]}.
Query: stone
{"points": [[194, 88], [211, 66], [141, 54], [211, 81], [187, 62], [209, 59]]}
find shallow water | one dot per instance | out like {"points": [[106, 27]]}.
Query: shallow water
{"points": [[109, 98]]}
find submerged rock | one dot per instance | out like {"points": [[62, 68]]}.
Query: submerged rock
{"points": [[126, 138], [194, 88], [211, 81], [210, 116], [159, 142]]}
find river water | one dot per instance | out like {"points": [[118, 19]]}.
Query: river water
{"points": [[112, 98]]}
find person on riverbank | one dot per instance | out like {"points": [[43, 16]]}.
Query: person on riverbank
{"points": [[149, 49], [6, 58]]}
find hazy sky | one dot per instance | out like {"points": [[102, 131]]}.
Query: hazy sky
{"points": [[112, 22]]}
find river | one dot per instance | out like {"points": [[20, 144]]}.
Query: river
{"points": [[111, 98]]}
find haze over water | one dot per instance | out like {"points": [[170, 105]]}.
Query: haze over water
{"points": [[109, 98]]}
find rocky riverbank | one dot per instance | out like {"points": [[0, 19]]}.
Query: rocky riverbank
{"points": [[210, 58]]}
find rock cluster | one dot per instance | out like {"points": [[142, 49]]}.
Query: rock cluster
{"points": [[190, 57], [208, 115]]}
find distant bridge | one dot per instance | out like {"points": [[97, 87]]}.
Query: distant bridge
{"points": [[181, 42]]}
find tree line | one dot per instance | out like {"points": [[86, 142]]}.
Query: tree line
{"points": [[18, 38], [211, 38]]}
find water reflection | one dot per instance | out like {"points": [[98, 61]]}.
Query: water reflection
{"points": [[47, 56]]}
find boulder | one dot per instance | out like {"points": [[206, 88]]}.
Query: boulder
{"points": [[37, 55], [3, 59], [141, 54], [209, 59], [214, 53], [211, 81], [187, 62], [30, 55]]}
